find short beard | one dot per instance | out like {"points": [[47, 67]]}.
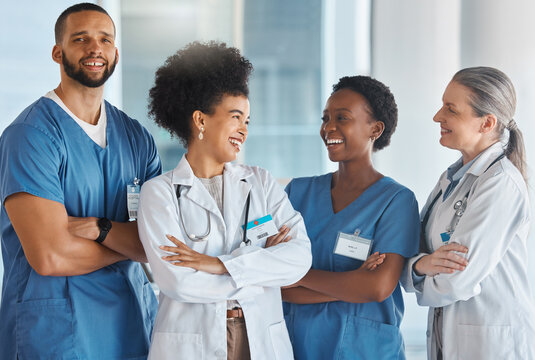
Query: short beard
{"points": [[81, 76]]}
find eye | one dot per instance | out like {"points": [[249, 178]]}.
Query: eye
{"points": [[451, 110], [324, 119], [106, 41], [341, 117], [79, 39]]}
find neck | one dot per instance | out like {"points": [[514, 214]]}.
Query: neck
{"points": [[470, 154], [84, 102], [202, 165], [356, 174]]}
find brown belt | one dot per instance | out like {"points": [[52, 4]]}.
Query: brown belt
{"points": [[234, 313]]}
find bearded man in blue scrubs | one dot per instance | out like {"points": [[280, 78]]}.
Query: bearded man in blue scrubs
{"points": [[73, 287]]}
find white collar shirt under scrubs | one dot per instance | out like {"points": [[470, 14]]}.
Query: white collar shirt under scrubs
{"points": [[488, 310], [191, 321]]}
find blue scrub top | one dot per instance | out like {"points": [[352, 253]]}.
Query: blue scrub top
{"points": [[106, 314], [387, 213]]}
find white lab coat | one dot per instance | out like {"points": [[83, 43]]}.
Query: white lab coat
{"points": [[191, 320], [488, 311]]}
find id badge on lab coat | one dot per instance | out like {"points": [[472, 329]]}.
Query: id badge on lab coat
{"points": [[353, 246]]}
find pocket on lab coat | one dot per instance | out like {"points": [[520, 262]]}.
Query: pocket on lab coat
{"points": [[369, 339], [485, 342], [45, 329], [168, 345], [280, 341]]}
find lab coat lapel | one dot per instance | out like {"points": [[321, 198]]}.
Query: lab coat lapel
{"points": [[235, 193], [194, 189]]}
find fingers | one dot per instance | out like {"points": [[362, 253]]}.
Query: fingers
{"points": [[281, 236], [448, 264], [454, 247], [175, 241]]}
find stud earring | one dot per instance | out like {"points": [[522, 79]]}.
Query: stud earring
{"points": [[372, 138], [201, 136]]}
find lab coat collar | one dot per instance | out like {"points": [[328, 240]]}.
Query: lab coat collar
{"points": [[183, 173], [485, 158], [479, 166]]}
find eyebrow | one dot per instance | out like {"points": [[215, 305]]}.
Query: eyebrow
{"points": [[84, 32], [238, 111], [450, 104], [339, 109]]}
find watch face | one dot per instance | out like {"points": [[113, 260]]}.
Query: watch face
{"points": [[104, 224]]}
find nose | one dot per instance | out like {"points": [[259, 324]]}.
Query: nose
{"points": [[329, 126], [93, 47], [437, 118], [243, 128]]}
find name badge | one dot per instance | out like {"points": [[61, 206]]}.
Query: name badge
{"points": [[261, 228], [353, 246], [132, 199], [445, 237]]}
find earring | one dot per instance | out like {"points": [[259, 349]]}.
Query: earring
{"points": [[201, 136], [372, 138]]}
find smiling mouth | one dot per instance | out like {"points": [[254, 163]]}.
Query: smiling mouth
{"points": [[94, 65], [331, 142], [237, 143], [444, 131]]}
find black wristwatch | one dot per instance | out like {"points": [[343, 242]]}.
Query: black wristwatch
{"points": [[105, 226]]}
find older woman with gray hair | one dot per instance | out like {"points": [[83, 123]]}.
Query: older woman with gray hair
{"points": [[472, 266]]}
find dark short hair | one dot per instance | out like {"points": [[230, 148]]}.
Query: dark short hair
{"points": [[381, 101], [196, 78], [59, 28]]}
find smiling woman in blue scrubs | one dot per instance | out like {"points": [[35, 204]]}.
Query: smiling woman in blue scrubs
{"points": [[342, 309]]}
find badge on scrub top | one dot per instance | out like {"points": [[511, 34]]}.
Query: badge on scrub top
{"points": [[353, 245], [261, 228], [132, 199]]}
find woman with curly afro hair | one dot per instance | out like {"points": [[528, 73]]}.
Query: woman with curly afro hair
{"points": [[351, 303], [221, 238]]}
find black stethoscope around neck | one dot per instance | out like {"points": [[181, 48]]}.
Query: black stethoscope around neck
{"points": [[459, 206], [199, 238]]}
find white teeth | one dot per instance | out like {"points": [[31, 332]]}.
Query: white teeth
{"points": [[334, 141], [94, 64], [235, 142]]}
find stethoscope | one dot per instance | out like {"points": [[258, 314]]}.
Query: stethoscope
{"points": [[199, 238], [459, 206]]}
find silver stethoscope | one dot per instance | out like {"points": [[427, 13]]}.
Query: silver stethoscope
{"points": [[459, 206], [199, 238]]}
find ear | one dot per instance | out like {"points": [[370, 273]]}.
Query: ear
{"points": [[488, 124], [57, 54], [116, 56], [377, 129], [198, 119]]}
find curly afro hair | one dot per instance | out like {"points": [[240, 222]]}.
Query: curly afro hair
{"points": [[381, 101], [196, 78]]}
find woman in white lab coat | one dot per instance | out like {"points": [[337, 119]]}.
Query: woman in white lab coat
{"points": [[472, 269], [219, 286]]}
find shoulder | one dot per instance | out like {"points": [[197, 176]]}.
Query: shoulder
{"points": [[160, 184], [36, 125], [310, 181], [394, 190], [504, 177], [40, 115], [131, 125]]}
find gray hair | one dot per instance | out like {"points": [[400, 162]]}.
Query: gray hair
{"points": [[494, 93]]}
